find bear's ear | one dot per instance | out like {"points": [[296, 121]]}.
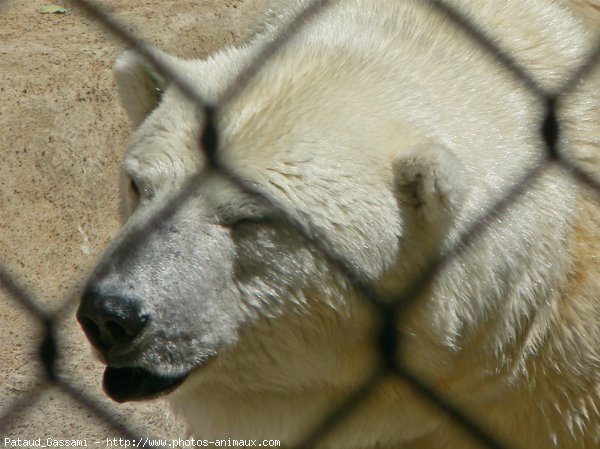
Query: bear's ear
{"points": [[140, 85], [431, 180]]}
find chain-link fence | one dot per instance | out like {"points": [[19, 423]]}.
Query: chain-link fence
{"points": [[390, 309]]}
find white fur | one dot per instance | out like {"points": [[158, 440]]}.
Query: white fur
{"points": [[388, 131]]}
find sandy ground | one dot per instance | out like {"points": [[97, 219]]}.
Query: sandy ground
{"points": [[62, 134]]}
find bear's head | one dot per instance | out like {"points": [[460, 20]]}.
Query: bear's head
{"points": [[220, 280]]}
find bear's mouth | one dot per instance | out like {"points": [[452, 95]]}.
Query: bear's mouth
{"points": [[135, 384]]}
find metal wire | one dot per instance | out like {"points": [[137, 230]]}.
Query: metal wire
{"points": [[389, 340]]}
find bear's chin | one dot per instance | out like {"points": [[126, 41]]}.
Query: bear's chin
{"points": [[136, 384]]}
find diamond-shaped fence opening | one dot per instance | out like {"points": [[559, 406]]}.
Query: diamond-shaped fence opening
{"points": [[45, 342]]}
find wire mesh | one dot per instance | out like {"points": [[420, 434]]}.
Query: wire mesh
{"points": [[390, 309]]}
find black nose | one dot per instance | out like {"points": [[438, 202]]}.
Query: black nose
{"points": [[110, 320]]}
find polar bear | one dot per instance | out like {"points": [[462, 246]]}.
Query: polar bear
{"points": [[381, 131]]}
